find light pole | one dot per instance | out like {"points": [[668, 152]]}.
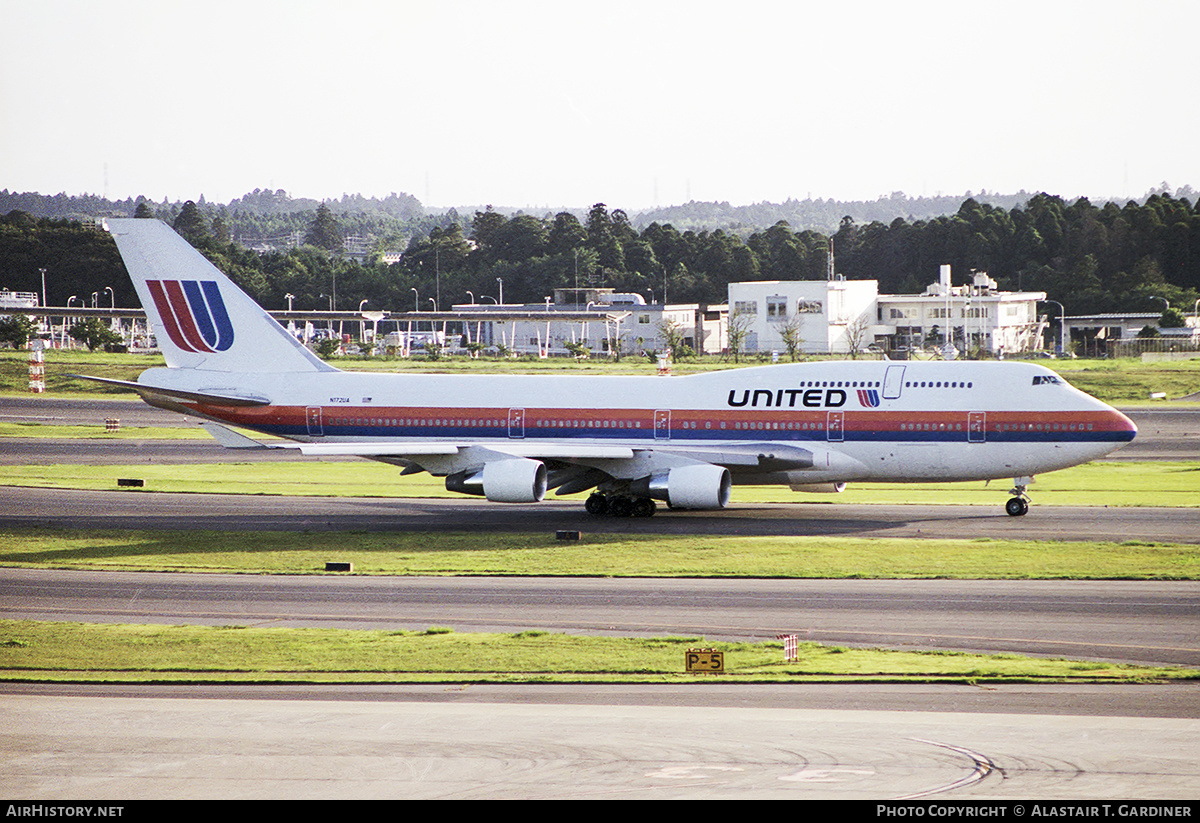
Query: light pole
{"points": [[416, 300], [1062, 324], [45, 302], [289, 297], [114, 324], [500, 280], [471, 294]]}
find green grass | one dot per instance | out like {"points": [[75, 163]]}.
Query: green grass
{"points": [[1129, 380], [595, 555], [14, 371], [1111, 483], [99, 432], [74, 652]]}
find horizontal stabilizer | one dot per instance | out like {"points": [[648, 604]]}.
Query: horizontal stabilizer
{"points": [[230, 439], [179, 394]]}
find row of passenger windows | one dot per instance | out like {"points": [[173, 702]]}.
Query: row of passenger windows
{"points": [[589, 424], [409, 421], [751, 425], [938, 384], [839, 384], [1044, 427]]}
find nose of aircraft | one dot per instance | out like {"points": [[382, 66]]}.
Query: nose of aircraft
{"points": [[1118, 426]]}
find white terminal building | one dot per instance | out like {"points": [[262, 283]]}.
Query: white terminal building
{"points": [[839, 316], [548, 329]]}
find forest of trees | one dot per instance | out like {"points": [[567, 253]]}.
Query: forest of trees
{"points": [[1089, 257]]}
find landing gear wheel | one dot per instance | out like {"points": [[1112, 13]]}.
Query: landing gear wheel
{"points": [[1016, 506], [643, 507], [597, 504], [620, 506]]}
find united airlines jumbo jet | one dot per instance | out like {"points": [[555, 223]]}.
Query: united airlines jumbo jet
{"points": [[632, 440]]}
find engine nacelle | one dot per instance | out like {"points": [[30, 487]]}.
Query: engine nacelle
{"points": [[688, 487], [820, 488], [518, 480]]}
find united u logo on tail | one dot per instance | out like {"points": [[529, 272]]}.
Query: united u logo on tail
{"points": [[193, 314], [868, 398]]}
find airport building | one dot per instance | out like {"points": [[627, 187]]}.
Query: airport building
{"points": [[595, 319], [839, 316]]}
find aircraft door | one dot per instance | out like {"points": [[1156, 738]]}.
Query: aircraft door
{"points": [[516, 423], [662, 424], [976, 427], [893, 382], [313, 416], [835, 426]]}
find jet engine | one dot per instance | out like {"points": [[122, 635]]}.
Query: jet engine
{"points": [[518, 480], [687, 487], [819, 488]]}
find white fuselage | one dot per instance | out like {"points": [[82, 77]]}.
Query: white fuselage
{"points": [[860, 420]]}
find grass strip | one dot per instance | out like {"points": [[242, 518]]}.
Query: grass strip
{"points": [[100, 432], [597, 555], [76, 652], [1102, 483]]}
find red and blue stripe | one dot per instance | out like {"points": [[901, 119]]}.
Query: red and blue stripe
{"points": [[193, 314]]}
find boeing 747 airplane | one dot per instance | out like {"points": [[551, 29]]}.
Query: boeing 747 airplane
{"points": [[631, 440]]}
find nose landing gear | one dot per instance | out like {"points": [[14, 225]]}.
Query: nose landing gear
{"points": [[1018, 504]]}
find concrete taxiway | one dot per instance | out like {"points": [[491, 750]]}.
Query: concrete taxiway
{"points": [[460, 742]]}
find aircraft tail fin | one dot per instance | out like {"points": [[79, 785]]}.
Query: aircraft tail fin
{"points": [[200, 318]]}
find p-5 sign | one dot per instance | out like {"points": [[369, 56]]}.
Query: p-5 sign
{"points": [[697, 661]]}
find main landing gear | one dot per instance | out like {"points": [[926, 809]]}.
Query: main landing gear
{"points": [[619, 505], [1018, 504]]}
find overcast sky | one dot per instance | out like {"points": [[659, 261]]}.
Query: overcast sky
{"points": [[635, 104]]}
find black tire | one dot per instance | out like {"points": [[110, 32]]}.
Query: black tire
{"points": [[620, 506], [643, 507], [597, 504], [1016, 507]]}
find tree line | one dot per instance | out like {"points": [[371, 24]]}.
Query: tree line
{"points": [[1089, 257]]}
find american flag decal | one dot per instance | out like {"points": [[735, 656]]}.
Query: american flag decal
{"points": [[868, 398], [193, 314]]}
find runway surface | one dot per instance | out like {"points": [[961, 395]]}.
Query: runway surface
{"points": [[1148, 622], [138, 509], [699, 741]]}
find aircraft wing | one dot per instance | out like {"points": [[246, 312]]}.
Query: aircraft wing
{"points": [[762, 457], [518, 471]]}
